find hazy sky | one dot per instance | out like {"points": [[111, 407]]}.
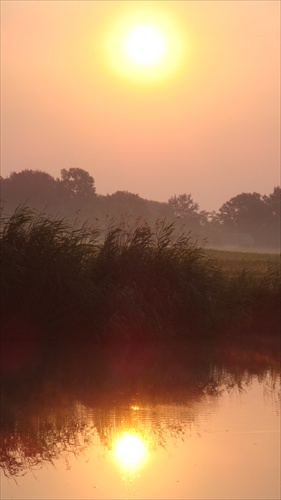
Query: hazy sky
{"points": [[202, 118]]}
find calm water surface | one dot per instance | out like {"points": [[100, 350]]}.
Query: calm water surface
{"points": [[212, 433]]}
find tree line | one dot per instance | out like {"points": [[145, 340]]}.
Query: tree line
{"points": [[248, 219]]}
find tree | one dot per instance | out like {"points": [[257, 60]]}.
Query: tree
{"points": [[126, 203], [78, 184], [33, 187], [183, 206], [273, 202], [245, 212], [248, 213], [126, 197]]}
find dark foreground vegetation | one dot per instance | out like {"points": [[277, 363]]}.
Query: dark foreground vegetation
{"points": [[64, 284]]}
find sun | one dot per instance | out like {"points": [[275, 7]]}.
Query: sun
{"points": [[145, 45]]}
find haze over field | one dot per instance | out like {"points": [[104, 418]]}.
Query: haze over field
{"points": [[197, 110]]}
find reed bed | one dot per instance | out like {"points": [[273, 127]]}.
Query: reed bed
{"points": [[129, 281]]}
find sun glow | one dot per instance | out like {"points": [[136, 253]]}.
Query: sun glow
{"points": [[144, 46], [130, 450]]}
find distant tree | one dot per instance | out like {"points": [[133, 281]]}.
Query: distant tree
{"points": [[126, 203], [36, 188], [125, 196], [273, 202], [159, 211], [183, 206], [78, 184], [214, 221], [204, 217], [250, 213], [245, 212]]}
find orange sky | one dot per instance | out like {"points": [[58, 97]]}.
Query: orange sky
{"points": [[209, 126]]}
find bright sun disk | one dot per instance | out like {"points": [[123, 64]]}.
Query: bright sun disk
{"points": [[145, 45]]}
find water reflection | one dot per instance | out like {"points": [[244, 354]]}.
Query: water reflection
{"points": [[64, 416], [131, 454], [129, 449]]}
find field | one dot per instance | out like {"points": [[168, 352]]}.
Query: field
{"points": [[256, 263]]}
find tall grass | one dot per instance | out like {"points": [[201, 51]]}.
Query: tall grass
{"points": [[126, 282]]}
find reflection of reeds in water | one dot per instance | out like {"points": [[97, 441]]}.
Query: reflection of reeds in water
{"points": [[65, 415], [63, 433], [58, 433]]}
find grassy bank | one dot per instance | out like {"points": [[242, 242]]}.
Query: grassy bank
{"points": [[127, 282]]}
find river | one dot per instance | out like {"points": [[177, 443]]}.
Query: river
{"points": [[202, 427]]}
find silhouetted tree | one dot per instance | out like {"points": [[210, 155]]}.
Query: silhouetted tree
{"points": [[204, 217], [244, 212], [126, 203], [159, 210], [186, 216], [248, 212], [78, 184], [273, 202], [183, 206], [32, 187]]}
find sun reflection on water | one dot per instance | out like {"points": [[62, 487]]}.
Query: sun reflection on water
{"points": [[131, 453]]}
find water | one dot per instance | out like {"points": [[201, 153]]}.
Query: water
{"points": [[201, 430]]}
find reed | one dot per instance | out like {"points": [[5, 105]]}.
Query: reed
{"points": [[129, 281]]}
